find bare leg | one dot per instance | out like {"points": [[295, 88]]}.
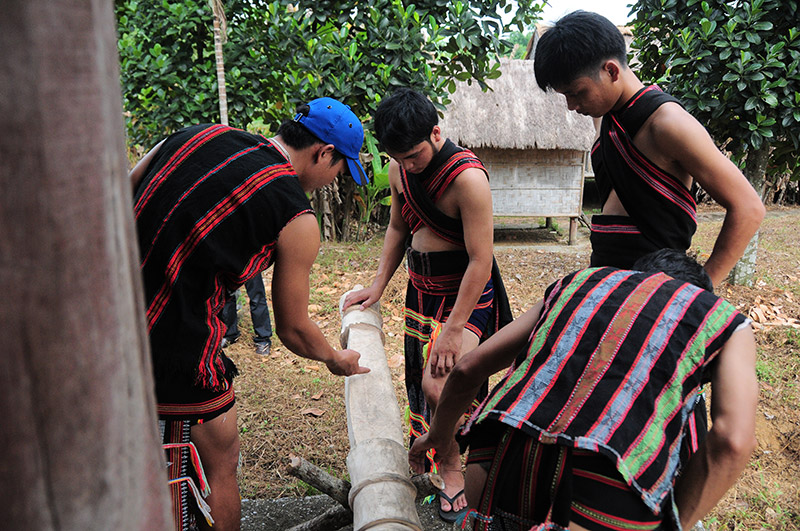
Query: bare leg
{"points": [[217, 443], [476, 482], [450, 461]]}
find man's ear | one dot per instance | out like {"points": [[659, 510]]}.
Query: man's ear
{"points": [[612, 68], [322, 151], [436, 133]]}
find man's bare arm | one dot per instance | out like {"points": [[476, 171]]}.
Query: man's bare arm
{"points": [[136, 174], [474, 200], [685, 140], [297, 248], [393, 248], [719, 461], [464, 381]]}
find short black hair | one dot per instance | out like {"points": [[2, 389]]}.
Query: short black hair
{"points": [[576, 46], [676, 264], [404, 119], [295, 134]]}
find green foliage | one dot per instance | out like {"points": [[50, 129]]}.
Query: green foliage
{"points": [[377, 192], [518, 44], [278, 56], [734, 64]]}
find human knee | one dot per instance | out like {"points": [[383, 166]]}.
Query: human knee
{"points": [[432, 389], [217, 442]]}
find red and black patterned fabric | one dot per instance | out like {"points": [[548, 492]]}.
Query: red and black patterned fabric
{"points": [[662, 210], [208, 214], [614, 366]]}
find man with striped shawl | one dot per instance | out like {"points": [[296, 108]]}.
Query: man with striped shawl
{"points": [[584, 430], [649, 155], [441, 220], [215, 206]]}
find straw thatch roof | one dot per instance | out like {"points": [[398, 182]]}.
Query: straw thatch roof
{"points": [[515, 114]]}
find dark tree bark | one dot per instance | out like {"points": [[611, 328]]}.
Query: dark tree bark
{"points": [[79, 441]]}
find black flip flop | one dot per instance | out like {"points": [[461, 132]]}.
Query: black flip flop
{"points": [[451, 515]]}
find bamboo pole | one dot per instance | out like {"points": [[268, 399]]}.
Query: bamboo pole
{"points": [[382, 494]]}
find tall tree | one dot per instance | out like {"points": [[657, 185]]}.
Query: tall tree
{"points": [[79, 443], [736, 67], [220, 38]]}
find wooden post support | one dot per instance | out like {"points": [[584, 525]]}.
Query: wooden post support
{"points": [[573, 231], [382, 495]]}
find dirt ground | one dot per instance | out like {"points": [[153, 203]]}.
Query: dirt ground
{"points": [[290, 405]]}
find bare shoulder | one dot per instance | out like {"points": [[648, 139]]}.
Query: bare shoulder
{"points": [[671, 124], [471, 193], [394, 176], [299, 239], [472, 181], [670, 119], [677, 142]]}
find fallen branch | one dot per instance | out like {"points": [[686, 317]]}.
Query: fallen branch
{"points": [[336, 488]]}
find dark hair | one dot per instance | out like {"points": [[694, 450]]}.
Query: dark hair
{"points": [[576, 46], [404, 119], [676, 264], [295, 134]]}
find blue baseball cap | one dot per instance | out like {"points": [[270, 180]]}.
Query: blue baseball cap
{"points": [[334, 123]]}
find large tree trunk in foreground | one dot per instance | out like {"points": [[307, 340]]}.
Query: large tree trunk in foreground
{"points": [[755, 168], [382, 495], [79, 442]]}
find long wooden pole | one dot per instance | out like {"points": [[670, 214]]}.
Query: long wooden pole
{"points": [[382, 495], [79, 441]]}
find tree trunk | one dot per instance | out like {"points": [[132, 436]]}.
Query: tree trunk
{"points": [[79, 442], [346, 210], [754, 169], [219, 22]]}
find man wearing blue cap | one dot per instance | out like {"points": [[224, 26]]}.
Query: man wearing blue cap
{"points": [[214, 207]]}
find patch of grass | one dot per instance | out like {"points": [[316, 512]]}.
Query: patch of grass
{"points": [[793, 337], [765, 371], [307, 490]]}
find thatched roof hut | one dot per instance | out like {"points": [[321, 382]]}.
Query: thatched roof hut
{"points": [[515, 114], [533, 146]]}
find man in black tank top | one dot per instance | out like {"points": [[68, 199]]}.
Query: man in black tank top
{"points": [[214, 207], [441, 220], [649, 154]]}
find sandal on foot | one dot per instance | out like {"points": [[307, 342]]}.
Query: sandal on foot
{"points": [[451, 515]]}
